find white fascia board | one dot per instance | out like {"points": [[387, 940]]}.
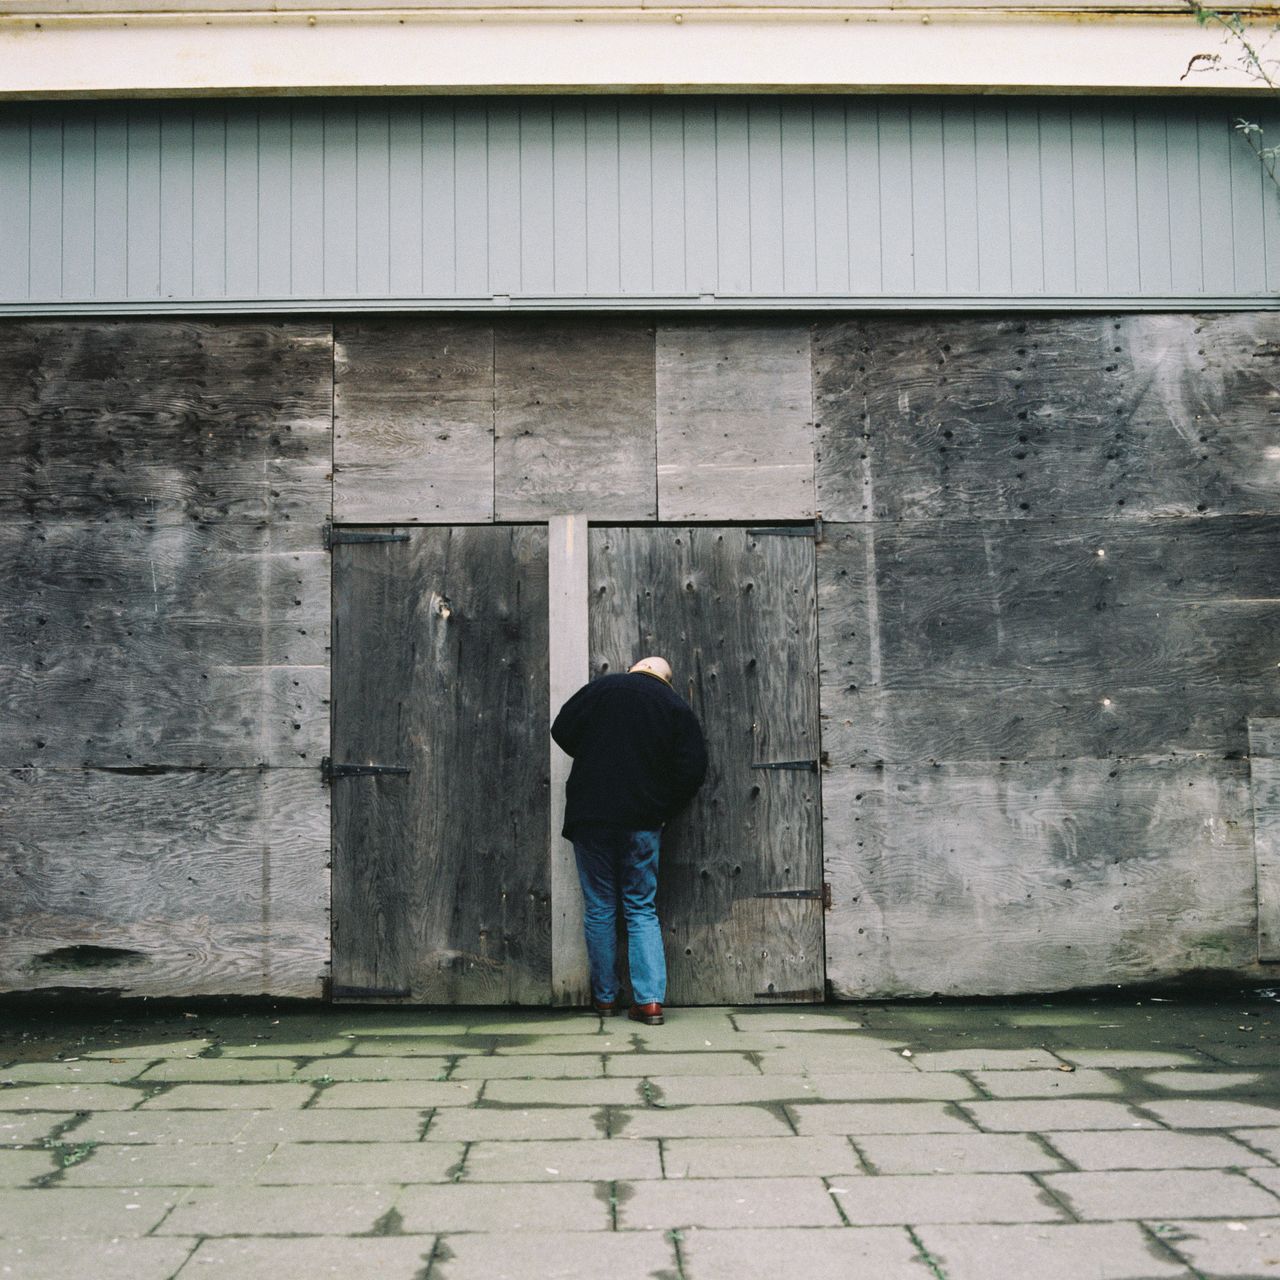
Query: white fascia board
{"points": [[191, 53]]}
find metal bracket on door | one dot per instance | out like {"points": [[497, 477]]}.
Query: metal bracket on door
{"points": [[813, 531], [345, 537], [822, 895], [801, 766], [329, 770]]}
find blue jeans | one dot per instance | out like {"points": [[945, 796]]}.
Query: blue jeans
{"points": [[620, 868]]}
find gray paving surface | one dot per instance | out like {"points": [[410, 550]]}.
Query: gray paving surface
{"points": [[1081, 1140]]}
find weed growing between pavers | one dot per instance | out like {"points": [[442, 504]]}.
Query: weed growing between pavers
{"points": [[925, 1256], [390, 1224]]}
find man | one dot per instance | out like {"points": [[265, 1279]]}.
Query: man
{"points": [[638, 758]]}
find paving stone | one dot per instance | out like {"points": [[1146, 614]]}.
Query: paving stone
{"points": [[64, 1212], [870, 1086], [167, 1127], [1265, 1140], [382, 1258], [986, 1060], [85, 1071], [679, 1091], [17, 1168], [1237, 1083], [568, 1092], [229, 1097], [1242, 1250], [1169, 1193], [1262, 1054], [544, 1066], [332, 1163], [814, 1253], [759, 1157], [637, 1039], [436, 1022], [1153, 1149], [955, 1153], [188, 1165], [399, 1093], [877, 1117], [1128, 1058], [340, 1125], [1040, 1117], [331, 1047], [220, 1069], [1267, 1175], [682, 1064], [506, 1206], [825, 1021], [511, 1124], [831, 1060], [152, 1051], [698, 1122], [1213, 1113], [33, 1126], [418, 1047], [72, 1097], [374, 1069], [554, 1256], [534, 1024], [586, 1160], [274, 1211], [955, 1197], [726, 1202], [104, 1259], [1072, 1251], [1046, 1084]]}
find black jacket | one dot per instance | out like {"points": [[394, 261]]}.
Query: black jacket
{"points": [[638, 753]]}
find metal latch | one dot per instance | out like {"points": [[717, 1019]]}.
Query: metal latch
{"points": [[334, 537], [803, 766], [329, 770]]}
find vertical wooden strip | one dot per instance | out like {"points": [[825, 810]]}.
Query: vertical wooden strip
{"points": [[799, 199], [991, 177], [373, 179], [404, 140], [1120, 191], [831, 202], [306, 232], [733, 198], [865, 246], [764, 196], [15, 204], [1186, 261], [77, 205], [1088, 187], [275, 193], [242, 201], [537, 200], [667, 181], [1026, 229], [454, 256], [701, 253], [1270, 121], [176, 196], [209, 195], [340, 227], [960, 213], [1264, 783], [1151, 176], [569, 160], [897, 220], [929, 200], [46, 206], [144, 202], [1246, 195], [111, 205], [635, 197], [1217, 233], [570, 669], [1057, 208], [603, 245], [504, 198]]}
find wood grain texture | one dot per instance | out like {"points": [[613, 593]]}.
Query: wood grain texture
{"points": [[218, 879], [734, 614], [165, 421], [735, 422], [575, 420], [1100, 417], [1264, 783], [413, 420], [441, 878], [970, 879], [185, 644]]}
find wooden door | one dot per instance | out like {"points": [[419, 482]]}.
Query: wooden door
{"points": [[734, 611], [440, 872]]}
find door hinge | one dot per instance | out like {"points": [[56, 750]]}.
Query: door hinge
{"points": [[369, 993], [329, 770], [336, 537], [826, 895], [802, 895], [801, 766], [813, 530]]}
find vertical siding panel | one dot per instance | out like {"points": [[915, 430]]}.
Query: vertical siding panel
{"points": [[799, 198], [504, 197], [77, 204], [603, 248], [764, 191], [1248, 239], [1184, 200], [569, 161], [144, 203], [635, 196], [176, 209], [209, 196], [15, 203], [863, 192], [831, 197], [1057, 209], [340, 220], [1026, 202], [733, 198], [111, 205], [667, 179], [702, 253], [1216, 229], [242, 201], [1088, 187], [1151, 179], [1120, 187], [404, 195], [275, 198], [46, 206], [1270, 122], [929, 197], [373, 199], [991, 175], [537, 200], [306, 199], [960, 184], [897, 220], [468, 182]]}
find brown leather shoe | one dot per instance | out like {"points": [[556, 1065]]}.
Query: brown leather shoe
{"points": [[649, 1014], [605, 1008]]}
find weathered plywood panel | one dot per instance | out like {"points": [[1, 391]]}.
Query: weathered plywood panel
{"points": [[981, 880], [735, 422], [1119, 417], [734, 615], [575, 420], [413, 420], [441, 877], [216, 881], [1264, 781], [165, 421], [131, 643]]}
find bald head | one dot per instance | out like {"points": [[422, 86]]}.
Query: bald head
{"points": [[659, 667]]}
